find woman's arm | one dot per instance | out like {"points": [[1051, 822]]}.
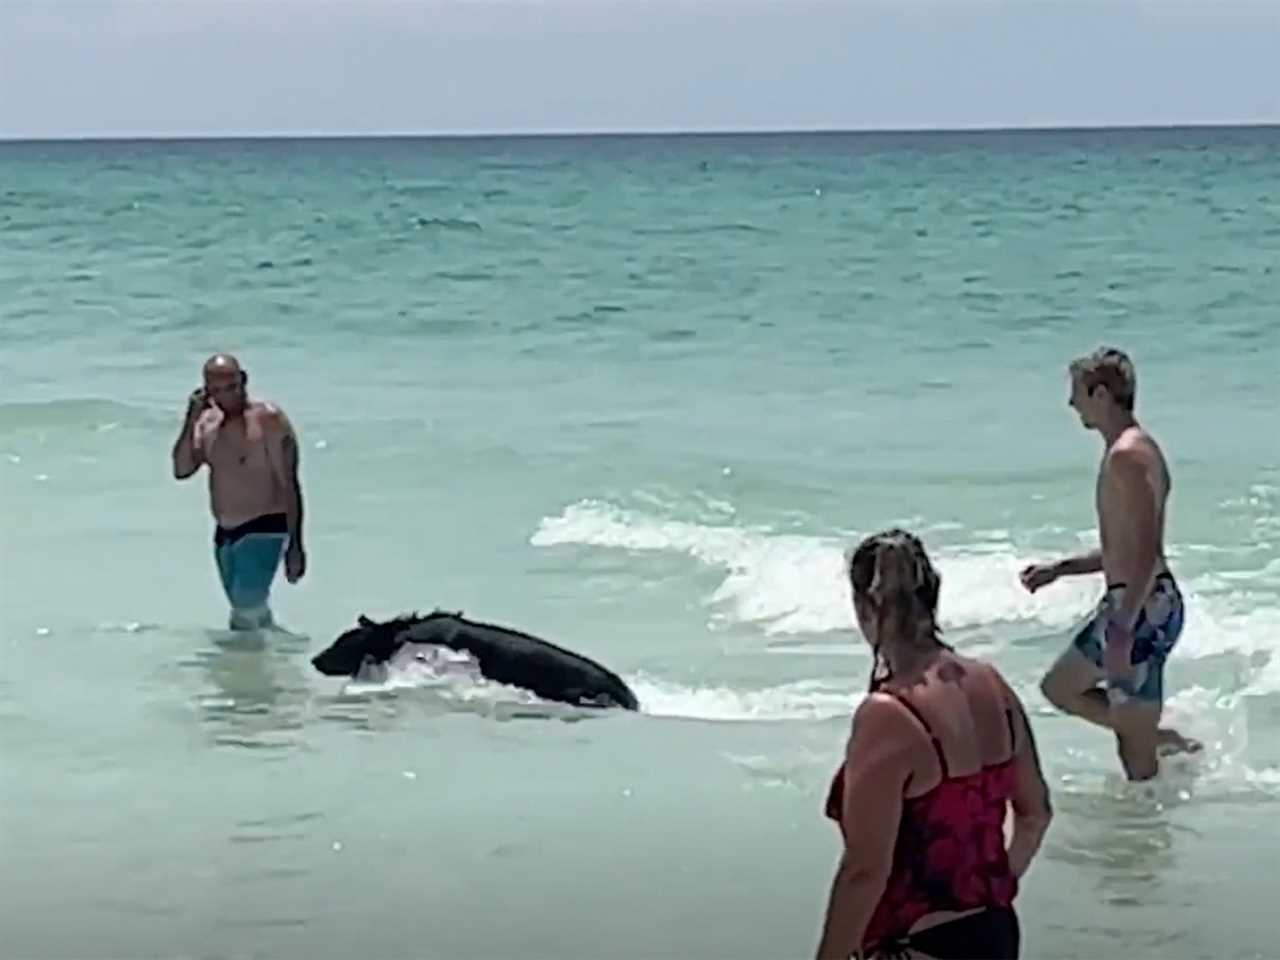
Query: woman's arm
{"points": [[877, 767], [1032, 807]]}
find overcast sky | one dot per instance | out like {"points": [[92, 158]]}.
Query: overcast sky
{"points": [[210, 67]]}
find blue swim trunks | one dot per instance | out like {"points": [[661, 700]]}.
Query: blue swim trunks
{"points": [[1155, 634], [247, 558]]}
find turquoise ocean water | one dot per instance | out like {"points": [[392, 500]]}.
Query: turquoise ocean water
{"points": [[634, 395]]}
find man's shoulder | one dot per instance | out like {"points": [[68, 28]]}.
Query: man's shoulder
{"points": [[1135, 448], [272, 416], [1135, 462]]}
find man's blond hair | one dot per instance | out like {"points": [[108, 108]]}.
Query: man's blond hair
{"points": [[1111, 368]]}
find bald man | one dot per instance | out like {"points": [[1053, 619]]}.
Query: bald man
{"points": [[255, 495]]}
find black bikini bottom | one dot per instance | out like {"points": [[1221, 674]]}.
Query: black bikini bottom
{"points": [[992, 934]]}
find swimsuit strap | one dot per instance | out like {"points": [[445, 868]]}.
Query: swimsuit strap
{"points": [[997, 691], [937, 746]]}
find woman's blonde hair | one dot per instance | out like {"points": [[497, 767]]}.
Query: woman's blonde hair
{"points": [[892, 571]]}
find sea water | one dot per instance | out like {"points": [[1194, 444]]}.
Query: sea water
{"points": [[636, 396]]}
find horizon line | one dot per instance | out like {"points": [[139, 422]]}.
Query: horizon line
{"points": [[621, 133]]}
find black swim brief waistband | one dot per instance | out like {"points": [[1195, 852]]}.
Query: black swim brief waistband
{"points": [[267, 523], [1164, 575]]}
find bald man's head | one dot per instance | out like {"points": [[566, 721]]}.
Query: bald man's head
{"points": [[224, 381], [221, 363]]}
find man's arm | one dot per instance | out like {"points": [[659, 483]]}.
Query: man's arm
{"points": [[1090, 562], [293, 483], [187, 457], [1136, 530], [283, 447]]}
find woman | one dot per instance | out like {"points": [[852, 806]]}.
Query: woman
{"points": [[939, 746]]}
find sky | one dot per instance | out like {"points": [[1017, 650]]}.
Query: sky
{"points": [[129, 68]]}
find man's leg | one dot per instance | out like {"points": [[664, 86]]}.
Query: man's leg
{"points": [[1136, 724], [1071, 684], [225, 561], [257, 556], [1157, 632], [1136, 704]]}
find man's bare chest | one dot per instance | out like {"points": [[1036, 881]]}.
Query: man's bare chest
{"points": [[234, 446]]}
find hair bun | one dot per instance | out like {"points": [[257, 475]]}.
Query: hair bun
{"points": [[897, 569]]}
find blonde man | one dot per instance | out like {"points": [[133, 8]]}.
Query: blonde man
{"points": [[1112, 674]]}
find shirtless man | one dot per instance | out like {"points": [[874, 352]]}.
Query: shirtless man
{"points": [[255, 495], [1140, 616]]}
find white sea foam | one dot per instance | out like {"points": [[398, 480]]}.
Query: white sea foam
{"points": [[455, 679], [788, 584]]}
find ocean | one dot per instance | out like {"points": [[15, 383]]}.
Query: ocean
{"points": [[634, 395]]}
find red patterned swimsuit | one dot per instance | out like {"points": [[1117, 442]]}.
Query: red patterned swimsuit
{"points": [[950, 852]]}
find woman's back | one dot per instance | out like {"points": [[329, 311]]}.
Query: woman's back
{"points": [[963, 736], [938, 751]]}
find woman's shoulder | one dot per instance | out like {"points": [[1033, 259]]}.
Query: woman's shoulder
{"points": [[960, 666], [977, 675], [884, 712]]}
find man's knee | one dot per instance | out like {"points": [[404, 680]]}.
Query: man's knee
{"points": [[1061, 689], [1050, 687]]}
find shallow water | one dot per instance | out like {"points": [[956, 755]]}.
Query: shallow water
{"points": [[633, 395]]}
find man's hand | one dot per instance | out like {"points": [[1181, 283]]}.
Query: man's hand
{"points": [[1117, 652], [1038, 575], [295, 563], [206, 427], [187, 454], [196, 403]]}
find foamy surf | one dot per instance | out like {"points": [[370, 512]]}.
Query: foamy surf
{"points": [[455, 680], [456, 694], [1218, 772], [1225, 618], [790, 584], [802, 700]]}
